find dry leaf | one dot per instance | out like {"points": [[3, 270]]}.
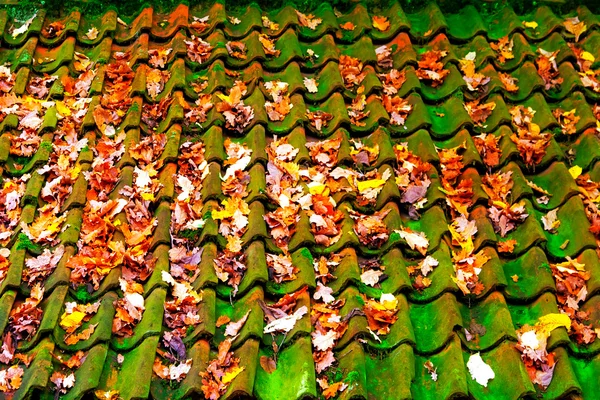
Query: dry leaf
{"points": [[381, 23]]}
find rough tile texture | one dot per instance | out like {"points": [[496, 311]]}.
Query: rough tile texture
{"points": [[435, 319]]}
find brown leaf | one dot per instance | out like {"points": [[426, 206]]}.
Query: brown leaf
{"points": [[268, 364]]}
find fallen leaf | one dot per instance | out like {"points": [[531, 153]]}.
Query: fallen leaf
{"points": [[381, 23], [233, 328], [92, 33], [268, 364], [480, 372]]}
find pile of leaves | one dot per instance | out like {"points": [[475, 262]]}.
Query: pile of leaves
{"points": [[431, 68], [116, 96], [74, 316], [487, 145], [589, 192], [547, 69], [381, 315], [589, 77], [570, 277], [412, 179], [11, 193], [532, 344], [505, 216], [281, 104], [220, 372], [530, 142], [237, 115], [63, 378], [351, 69], [174, 352], [476, 81]]}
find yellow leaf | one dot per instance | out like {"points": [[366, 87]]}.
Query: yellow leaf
{"points": [[575, 171], [75, 172], [117, 222], [63, 109], [318, 189], [531, 24], [370, 184], [148, 196], [230, 376], [588, 56], [550, 322], [71, 320]]}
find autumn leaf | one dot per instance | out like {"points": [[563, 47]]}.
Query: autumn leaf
{"points": [[509, 82], [309, 21], [507, 246], [311, 85], [575, 27], [480, 372], [347, 26], [381, 23], [268, 364], [92, 33]]}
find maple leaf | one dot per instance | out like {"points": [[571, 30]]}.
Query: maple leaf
{"points": [[236, 50], [268, 45], [551, 221], [198, 50], [488, 147], [381, 23], [309, 21], [567, 120], [431, 68], [507, 246], [351, 69], [311, 85], [503, 48], [53, 29], [509, 82], [384, 57], [480, 372], [575, 27], [92, 33], [479, 113], [548, 69], [475, 80], [319, 119], [157, 58], [347, 26]]}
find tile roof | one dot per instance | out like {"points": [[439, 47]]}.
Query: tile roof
{"points": [[90, 182]]}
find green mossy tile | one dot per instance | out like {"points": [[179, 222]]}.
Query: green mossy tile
{"points": [[460, 29], [254, 52], [325, 48], [571, 82], [493, 314], [328, 24], [591, 43], [529, 233], [51, 306], [418, 118], [434, 323], [103, 332], [34, 28], [532, 273], [71, 227], [12, 279], [448, 117], [137, 50], [291, 75], [453, 83], [403, 53], [547, 20], [87, 376], [296, 360], [576, 101], [556, 180], [36, 375], [136, 367], [462, 138], [217, 41], [359, 18], [397, 19], [207, 313], [511, 380], [21, 57], [199, 352], [567, 384], [427, 21], [592, 307], [250, 18], [235, 310], [6, 302], [391, 376], [165, 25], [328, 79], [452, 374], [296, 117], [32, 191], [150, 325], [352, 369], [335, 106], [135, 27], [256, 274], [303, 260], [257, 185], [165, 176], [441, 277], [586, 371], [574, 227], [301, 329], [485, 231], [347, 272], [585, 149]]}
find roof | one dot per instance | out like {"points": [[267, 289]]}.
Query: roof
{"points": [[280, 205]]}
